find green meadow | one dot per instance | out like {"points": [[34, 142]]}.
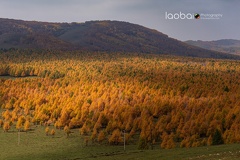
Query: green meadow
{"points": [[35, 144]]}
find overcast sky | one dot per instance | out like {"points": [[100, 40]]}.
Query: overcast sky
{"points": [[149, 13]]}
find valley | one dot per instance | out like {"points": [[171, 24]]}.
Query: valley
{"points": [[115, 90]]}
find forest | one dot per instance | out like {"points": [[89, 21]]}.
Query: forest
{"points": [[170, 101]]}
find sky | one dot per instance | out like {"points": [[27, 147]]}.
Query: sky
{"points": [[148, 13]]}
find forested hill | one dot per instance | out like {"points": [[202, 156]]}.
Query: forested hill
{"points": [[231, 46], [110, 36]]}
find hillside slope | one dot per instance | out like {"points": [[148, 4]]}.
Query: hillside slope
{"points": [[110, 36], [230, 46]]}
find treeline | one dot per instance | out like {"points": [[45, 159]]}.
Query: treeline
{"points": [[173, 101]]}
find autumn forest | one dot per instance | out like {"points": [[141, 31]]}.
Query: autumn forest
{"points": [[168, 101]]}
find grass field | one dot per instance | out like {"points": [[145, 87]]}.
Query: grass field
{"points": [[36, 145]]}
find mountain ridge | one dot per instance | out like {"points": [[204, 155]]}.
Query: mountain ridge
{"points": [[231, 46], [109, 36]]}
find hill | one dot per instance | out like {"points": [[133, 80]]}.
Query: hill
{"points": [[230, 46], [110, 36]]}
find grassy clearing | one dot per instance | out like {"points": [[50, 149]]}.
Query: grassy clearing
{"points": [[12, 77], [36, 145]]}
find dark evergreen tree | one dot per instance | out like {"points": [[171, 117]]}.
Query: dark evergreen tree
{"points": [[142, 144], [217, 138]]}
